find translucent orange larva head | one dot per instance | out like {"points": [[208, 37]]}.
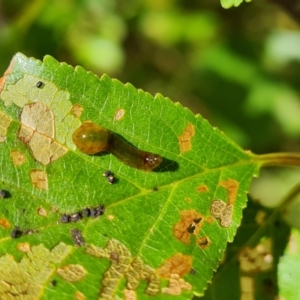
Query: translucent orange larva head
{"points": [[91, 138]]}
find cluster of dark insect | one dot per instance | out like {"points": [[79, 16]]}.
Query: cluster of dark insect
{"points": [[17, 232], [109, 176], [91, 212]]}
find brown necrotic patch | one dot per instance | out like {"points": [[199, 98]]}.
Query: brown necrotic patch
{"points": [[4, 124], [123, 265], [203, 242], [39, 179], [17, 158], [72, 273], [191, 222], [202, 188], [221, 211], [185, 138], [76, 110], [37, 131], [179, 264], [232, 187], [4, 223]]}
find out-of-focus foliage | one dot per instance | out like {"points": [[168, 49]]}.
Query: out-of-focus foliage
{"points": [[230, 3], [289, 269]]}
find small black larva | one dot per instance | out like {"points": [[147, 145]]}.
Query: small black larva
{"points": [[110, 179], [39, 84], [107, 173], [65, 218], [77, 237], [75, 217], [16, 233], [109, 176], [86, 212]]}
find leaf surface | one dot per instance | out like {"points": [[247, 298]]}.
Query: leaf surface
{"points": [[163, 232]]}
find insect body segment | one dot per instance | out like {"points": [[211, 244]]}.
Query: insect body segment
{"points": [[91, 138]]}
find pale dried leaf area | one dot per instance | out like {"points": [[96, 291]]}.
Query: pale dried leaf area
{"points": [[119, 115], [26, 279], [37, 131], [39, 179], [72, 273], [219, 209], [17, 157], [51, 117], [185, 143], [135, 271], [123, 264], [4, 124]]}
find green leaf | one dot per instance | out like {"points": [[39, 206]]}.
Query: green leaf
{"points": [[163, 232], [230, 3]]}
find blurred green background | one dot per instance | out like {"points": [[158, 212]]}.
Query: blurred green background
{"points": [[239, 68]]}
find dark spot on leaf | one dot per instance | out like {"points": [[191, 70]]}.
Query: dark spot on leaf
{"points": [[197, 220], [203, 242], [192, 271], [191, 229], [187, 225]]}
